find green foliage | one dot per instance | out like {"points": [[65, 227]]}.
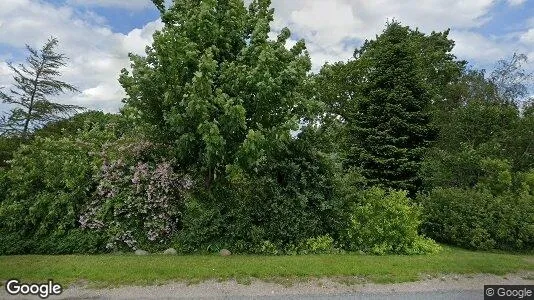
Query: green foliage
{"points": [[479, 138], [385, 223], [235, 145], [73, 242], [318, 245], [54, 182], [34, 83], [216, 88], [477, 219], [390, 129], [4, 185], [519, 149], [287, 202], [8, 145], [496, 176], [91, 120], [475, 124], [54, 179]]}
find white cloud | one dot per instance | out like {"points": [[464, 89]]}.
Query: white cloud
{"points": [[136, 40], [474, 46], [528, 37], [332, 30], [516, 2], [96, 54], [128, 4]]}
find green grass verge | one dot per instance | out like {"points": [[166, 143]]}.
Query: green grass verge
{"points": [[115, 270]]}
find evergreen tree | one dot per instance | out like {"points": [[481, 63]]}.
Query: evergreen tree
{"points": [[390, 129], [34, 84]]}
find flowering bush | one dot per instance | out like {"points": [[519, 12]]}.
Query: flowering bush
{"points": [[138, 200]]}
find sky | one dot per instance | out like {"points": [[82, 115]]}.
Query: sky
{"points": [[97, 35]]}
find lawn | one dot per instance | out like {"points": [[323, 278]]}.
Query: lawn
{"points": [[115, 270]]}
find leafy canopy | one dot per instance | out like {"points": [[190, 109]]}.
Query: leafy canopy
{"points": [[216, 88]]}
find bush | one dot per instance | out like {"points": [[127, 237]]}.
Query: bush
{"points": [[53, 182], [318, 245], [139, 199], [54, 179], [285, 201], [477, 219], [4, 184], [8, 146], [386, 223]]}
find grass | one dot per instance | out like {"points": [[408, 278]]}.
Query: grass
{"points": [[117, 270]]}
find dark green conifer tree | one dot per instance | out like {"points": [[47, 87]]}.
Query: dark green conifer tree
{"points": [[390, 129]]}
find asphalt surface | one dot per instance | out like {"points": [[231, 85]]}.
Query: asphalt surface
{"points": [[443, 287], [443, 295], [447, 295]]}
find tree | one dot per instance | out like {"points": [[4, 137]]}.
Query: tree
{"points": [[83, 121], [390, 129], [34, 84], [340, 87], [511, 79], [216, 88]]}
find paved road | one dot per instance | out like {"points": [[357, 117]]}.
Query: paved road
{"points": [[448, 295], [445, 295], [445, 287]]}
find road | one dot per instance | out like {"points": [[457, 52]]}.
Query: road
{"points": [[443, 287]]}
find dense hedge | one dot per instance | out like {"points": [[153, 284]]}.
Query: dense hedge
{"points": [[95, 192], [476, 219]]}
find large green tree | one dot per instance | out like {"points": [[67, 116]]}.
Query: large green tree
{"points": [[215, 87], [390, 129], [344, 86]]}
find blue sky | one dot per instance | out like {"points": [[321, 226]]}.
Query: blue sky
{"points": [[98, 34]]}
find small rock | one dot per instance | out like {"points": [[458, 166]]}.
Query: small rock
{"points": [[225, 252], [140, 252], [170, 251]]}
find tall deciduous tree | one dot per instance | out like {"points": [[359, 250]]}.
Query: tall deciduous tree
{"points": [[34, 84], [215, 87], [390, 129], [512, 80]]}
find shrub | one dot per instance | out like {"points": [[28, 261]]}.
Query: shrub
{"points": [[268, 248], [54, 182], [477, 219], [496, 176], [139, 200], [384, 223], [288, 199], [319, 245], [53, 179], [8, 146], [4, 184]]}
